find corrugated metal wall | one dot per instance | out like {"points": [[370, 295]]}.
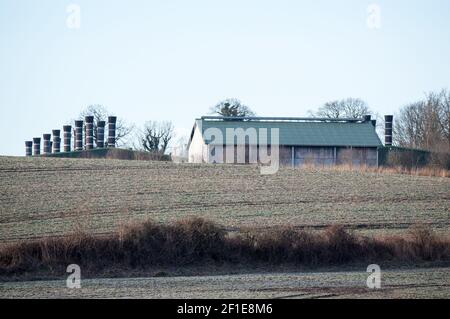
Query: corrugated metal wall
{"points": [[320, 156]]}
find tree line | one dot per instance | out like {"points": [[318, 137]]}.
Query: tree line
{"points": [[424, 124]]}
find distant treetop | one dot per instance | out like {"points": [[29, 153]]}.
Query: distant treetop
{"points": [[232, 107], [346, 108]]}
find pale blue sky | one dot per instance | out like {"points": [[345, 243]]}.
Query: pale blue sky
{"points": [[172, 60]]}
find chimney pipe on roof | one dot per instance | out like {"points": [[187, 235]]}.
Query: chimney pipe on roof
{"points": [[367, 118], [56, 141], [28, 148], [67, 137], [36, 146], [47, 145], [112, 131], [388, 119], [78, 135], [100, 137], [89, 132]]}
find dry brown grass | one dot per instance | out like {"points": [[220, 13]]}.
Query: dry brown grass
{"points": [[417, 171], [195, 241]]}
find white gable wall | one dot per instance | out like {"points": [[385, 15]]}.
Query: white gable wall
{"points": [[197, 148]]}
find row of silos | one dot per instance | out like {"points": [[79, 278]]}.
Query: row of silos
{"points": [[81, 128]]}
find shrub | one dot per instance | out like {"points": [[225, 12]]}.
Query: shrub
{"points": [[195, 240]]}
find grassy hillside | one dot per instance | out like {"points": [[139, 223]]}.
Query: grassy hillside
{"points": [[53, 196]]}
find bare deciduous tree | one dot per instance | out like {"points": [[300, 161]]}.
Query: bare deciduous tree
{"points": [[156, 136], [231, 107], [408, 126], [425, 124], [346, 108], [444, 114], [101, 113]]}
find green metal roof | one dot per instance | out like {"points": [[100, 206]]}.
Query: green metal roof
{"points": [[304, 133]]}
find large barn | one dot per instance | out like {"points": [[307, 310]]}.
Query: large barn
{"points": [[318, 141]]}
